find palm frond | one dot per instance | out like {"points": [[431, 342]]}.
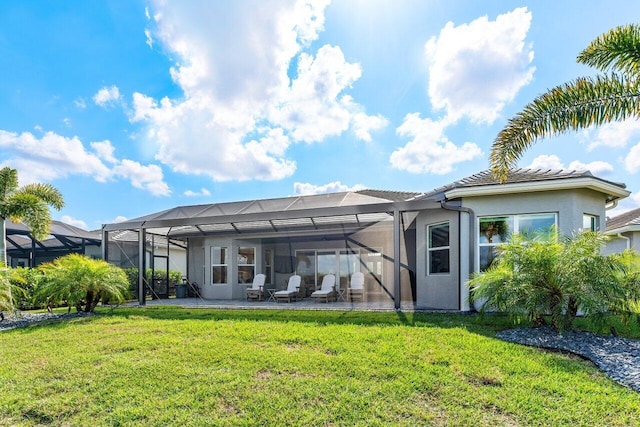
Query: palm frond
{"points": [[616, 50], [45, 192], [579, 104], [8, 182], [31, 210]]}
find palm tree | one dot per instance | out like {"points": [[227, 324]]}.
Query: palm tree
{"points": [[29, 204], [77, 280], [610, 96]]}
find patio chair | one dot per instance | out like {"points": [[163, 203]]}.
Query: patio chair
{"points": [[293, 287], [327, 290], [356, 287], [256, 291]]}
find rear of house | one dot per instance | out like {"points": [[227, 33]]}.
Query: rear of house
{"points": [[415, 249]]}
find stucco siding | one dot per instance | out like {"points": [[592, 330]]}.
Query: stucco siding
{"points": [[437, 291]]}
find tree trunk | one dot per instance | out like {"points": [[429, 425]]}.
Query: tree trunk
{"points": [[3, 242], [88, 307]]}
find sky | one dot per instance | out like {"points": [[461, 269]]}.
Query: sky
{"points": [[131, 107]]}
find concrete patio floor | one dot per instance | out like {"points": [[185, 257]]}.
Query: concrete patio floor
{"points": [[304, 304]]}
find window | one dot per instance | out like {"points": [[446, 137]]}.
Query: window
{"points": [[438, 249], [589, 222], [494, 230], [246, 264], [218, 264]]}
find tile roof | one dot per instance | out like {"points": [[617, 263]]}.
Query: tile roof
{"points": [[486, 177], [631, 218]]}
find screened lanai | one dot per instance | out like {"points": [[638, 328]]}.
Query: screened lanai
{"points": [[227, 244], [23, 250]]}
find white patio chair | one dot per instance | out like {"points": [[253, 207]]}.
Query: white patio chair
{"points": [[293, 287], [256, 291], [356, 287], [327, 290]]}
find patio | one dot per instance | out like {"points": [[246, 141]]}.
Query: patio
{"points": [[303, 304]]}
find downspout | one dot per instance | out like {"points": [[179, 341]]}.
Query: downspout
{"points": [[625, 238], [463, 271]]}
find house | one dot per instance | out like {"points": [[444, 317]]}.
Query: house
{"points": [[414, 248], [624, 231], [25, 251]]}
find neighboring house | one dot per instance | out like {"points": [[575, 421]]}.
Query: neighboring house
{"points": [[624, 231], [414, 248], [24, 251]]}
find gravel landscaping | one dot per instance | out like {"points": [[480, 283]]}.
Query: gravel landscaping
{"points": [[618, 358], [21, 320]]}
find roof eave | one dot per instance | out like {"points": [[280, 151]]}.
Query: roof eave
{"points": [[613, 191], [624, 229]]}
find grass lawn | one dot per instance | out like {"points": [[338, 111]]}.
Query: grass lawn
{"points": [[172, 366]]}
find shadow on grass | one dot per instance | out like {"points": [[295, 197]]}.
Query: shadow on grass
{"points": [[487, 326]]}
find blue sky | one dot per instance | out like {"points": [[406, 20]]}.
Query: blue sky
{"points": [[131, 107]]}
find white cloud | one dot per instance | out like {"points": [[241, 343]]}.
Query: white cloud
{"points": [[80, 103], [149, 41], [545, 161], [632, 161], [429, 150], [119, 218], [303, 189], [476, 68], [614, 134], [50, 157], [203, 192], [107, 96], [73, 221], [148, 177], [552, 161], [104, 150], [597, 167], [249, 108], [54, 157], [67, 122]]}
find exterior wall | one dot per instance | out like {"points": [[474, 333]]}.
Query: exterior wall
{"points": [[570, 206], [617, 245], [438, 291], [377, 238], [200, 266]]}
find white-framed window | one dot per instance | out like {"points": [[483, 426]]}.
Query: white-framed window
{"points": [[494, 230], [246, 264], [219, 264], [589, 222], [438, 249]]}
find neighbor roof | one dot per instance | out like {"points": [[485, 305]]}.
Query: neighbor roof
{"points": [[62, 236], [629, 220], [527, 180]]}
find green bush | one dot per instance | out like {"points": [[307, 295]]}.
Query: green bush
{"points": [[24, 283], [83, 282], [540, 275]]}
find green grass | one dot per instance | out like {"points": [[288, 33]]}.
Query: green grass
{"points": [[171, 366]]}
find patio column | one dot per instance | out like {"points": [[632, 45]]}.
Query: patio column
{"points": [[104, 246], [142, 265], [396, 258], [32, 258]]}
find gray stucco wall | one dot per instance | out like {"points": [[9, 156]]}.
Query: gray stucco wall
{"points": [[617, 244], [437, 291]]}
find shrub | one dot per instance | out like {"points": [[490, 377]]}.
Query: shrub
{"points": [[540, 275], [82, 282]]}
